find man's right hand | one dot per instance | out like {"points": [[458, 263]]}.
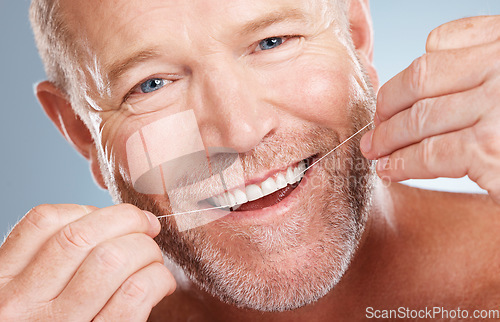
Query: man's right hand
{"points": [[81, 263]]}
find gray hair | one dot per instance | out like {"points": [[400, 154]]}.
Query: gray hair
{"points": [[54, 42]]}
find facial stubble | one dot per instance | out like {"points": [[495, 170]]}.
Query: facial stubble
{"points": [[290, 263]]}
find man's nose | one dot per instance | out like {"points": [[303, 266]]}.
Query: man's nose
{"points": [[231, 109]]}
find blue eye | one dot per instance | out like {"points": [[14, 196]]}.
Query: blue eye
{"points": [[152, 85], [270, 43]]}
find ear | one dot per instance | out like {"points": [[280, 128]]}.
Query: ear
{"points": [[362, 36], [58, 108]]}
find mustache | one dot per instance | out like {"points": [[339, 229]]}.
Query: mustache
{"points": [[281, 149]]}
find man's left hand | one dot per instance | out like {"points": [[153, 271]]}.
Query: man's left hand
{"points": [[440, 117]]}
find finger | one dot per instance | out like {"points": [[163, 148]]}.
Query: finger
{"points": [[31, 232], [108, 266], [136, 297], [59, 259], [447, 155], [437, 74], [426, 118], [466, 32]]}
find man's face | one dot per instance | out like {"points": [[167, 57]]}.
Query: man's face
{"points": [[272, 80]]}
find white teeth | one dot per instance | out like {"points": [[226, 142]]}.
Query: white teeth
{"points": [[240, 197], [223, 200], [231, 199], [281, 181], [290, 176], [296, 174], [302, 166], [269, 186], [216, 201], [254, 192]]}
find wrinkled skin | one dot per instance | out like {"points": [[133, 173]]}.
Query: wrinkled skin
{"points": [[415, 248]]}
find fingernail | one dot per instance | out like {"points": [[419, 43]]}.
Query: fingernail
{"points": [[366, 142], [383, 164], [155, 223]]}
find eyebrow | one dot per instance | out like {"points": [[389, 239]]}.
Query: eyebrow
{"points": [[284, 15], [121, 67]]}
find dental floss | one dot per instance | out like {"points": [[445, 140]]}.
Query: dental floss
{"points": [[316, 162], [338, 146]]}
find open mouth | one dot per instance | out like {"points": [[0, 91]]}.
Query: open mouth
{"points": [[263, 194]]}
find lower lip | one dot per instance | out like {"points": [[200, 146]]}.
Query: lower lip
{"points": [[264, 215]]}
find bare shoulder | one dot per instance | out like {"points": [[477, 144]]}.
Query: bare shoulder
{"points": [[471, 214], [458, 233]]}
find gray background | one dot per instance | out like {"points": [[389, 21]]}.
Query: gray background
{"points": [[38, 165]]}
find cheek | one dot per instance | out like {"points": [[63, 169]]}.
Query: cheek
{"points": [[139, 144], [319, 93], [115, 133]]}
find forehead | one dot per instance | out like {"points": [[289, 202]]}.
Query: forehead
{"points": [[112, 26]]}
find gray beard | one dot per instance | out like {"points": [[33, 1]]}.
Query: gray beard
{"points": [[284, 266]]}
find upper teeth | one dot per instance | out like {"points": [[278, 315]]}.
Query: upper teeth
{"points": [[253, 192]]}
